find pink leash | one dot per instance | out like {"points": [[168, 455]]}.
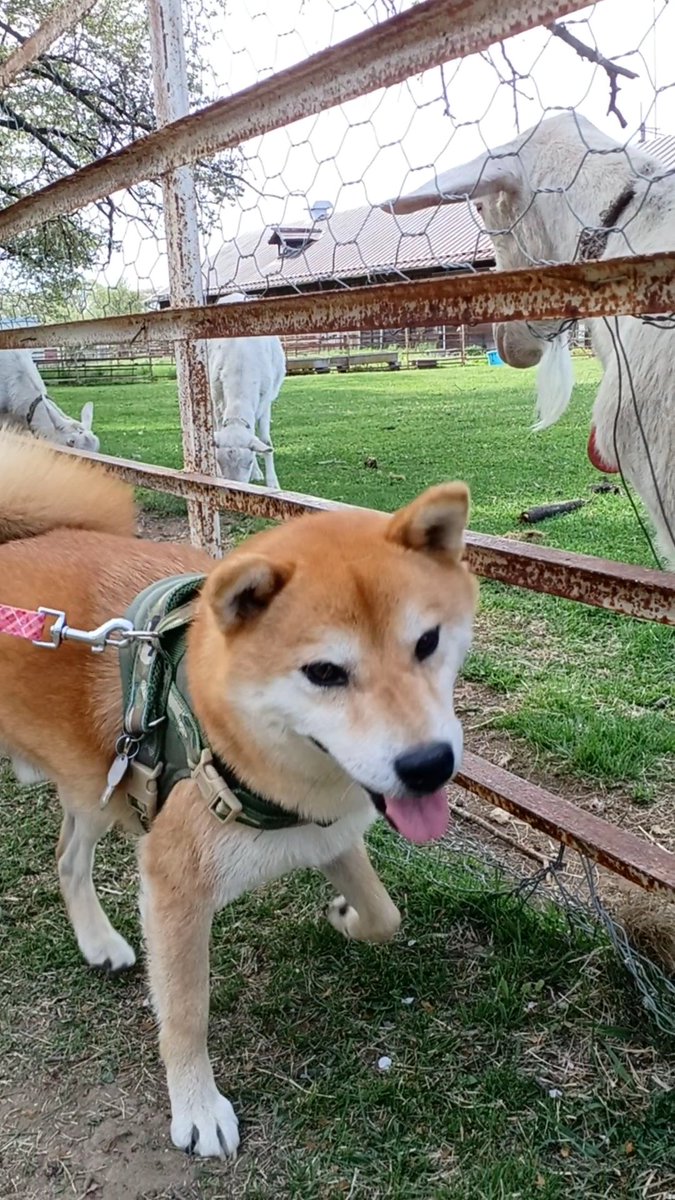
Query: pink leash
{"points": [[29, 624], [21, 622]]}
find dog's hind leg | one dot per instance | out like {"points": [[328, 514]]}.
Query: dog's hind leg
{"points": [[26, 773], [364, 910], [81, 829]]}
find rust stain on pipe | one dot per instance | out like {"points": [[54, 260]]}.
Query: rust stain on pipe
{"points": [[640, 862], [627, 590], [632, 285]]}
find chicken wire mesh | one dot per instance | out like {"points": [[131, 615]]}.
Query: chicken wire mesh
{"points": [[305, 207], [315, 184]]}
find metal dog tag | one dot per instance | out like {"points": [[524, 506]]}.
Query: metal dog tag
{"points": [[118, 769]]}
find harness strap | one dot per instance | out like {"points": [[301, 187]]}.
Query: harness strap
{"points": [[161, 735]]}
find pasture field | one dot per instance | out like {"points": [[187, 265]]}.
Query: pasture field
{"points": [[521, 1063]]}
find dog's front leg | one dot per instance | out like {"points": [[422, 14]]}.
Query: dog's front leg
{"points": [[177, 911], [364, 909]]}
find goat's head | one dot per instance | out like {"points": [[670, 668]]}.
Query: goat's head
{"points": [[535, 195], [66, 431], [236, 448]]}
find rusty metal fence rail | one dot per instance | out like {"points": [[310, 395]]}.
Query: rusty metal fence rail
{"points": [[425, 35]]}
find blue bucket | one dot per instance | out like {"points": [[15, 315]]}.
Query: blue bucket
{"points": [[494, 359]]}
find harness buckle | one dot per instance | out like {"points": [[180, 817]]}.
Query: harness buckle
{"points": [[142, 791], [222, 802]]}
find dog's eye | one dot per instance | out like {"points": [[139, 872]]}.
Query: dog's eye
{"points": [[326, 674], [427, 644]]}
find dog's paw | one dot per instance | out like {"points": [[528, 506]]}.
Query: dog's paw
{"points": [[347, 921], [343, 917], [107, 952], [206, 1126]]}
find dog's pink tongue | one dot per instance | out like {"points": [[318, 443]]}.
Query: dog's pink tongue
{"points": [[420, 820]]}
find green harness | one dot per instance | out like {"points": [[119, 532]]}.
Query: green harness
{"points": [[162, 741]]}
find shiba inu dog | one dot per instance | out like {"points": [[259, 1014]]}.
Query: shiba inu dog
{"points": [[321, 661]]}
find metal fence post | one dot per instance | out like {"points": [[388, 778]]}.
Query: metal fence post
{"points": [[185, 277]]}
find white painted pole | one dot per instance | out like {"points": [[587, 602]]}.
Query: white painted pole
{"points": [[185, 277]]}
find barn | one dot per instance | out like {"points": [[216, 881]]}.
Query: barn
{"points": [[363, 246]]}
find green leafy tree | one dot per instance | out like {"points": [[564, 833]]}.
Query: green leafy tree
{"points": [[88, 95]]}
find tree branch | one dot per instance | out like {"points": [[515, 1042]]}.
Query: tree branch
{"points": [[47, 67], [20, 123], [612, 69], [47, 70]]}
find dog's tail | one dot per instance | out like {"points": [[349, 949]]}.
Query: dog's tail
{"points": [[42, 488]]}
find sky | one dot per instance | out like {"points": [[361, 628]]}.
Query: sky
{"points": [[393, 140]]}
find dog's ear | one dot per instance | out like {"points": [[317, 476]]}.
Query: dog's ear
{"points": [[435, 522], [242, 587]]}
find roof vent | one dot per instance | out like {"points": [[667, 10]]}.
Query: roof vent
{"points": [[320, 210], [292, 240]]}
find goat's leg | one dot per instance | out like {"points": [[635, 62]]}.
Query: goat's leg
{"points": [[271, 480], [265, 426]]}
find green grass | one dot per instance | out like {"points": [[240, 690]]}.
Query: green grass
{"points": [[520, 1067], [592, 692]]}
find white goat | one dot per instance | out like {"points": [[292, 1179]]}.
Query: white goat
{"points": [[245, 375], [564, 191], [24, 402]]}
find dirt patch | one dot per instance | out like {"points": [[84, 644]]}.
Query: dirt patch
{"points": [[112, 1143], [109, 1143], [158, 528]]}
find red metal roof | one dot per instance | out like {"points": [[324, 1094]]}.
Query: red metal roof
{"points": [[358, 243], [365, 243], [663, 148]]}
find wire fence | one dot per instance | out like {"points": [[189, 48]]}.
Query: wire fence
{"points": [[387, 180]]}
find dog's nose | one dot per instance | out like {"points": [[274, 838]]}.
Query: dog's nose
{"points": [[427, 767]]}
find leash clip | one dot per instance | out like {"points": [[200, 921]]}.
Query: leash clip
{"points": [[118, 631]]}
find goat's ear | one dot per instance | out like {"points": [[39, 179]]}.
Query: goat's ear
{"points": [[87, 415], [434, 523], [485, 176], [259, 447], [242, 587]]}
